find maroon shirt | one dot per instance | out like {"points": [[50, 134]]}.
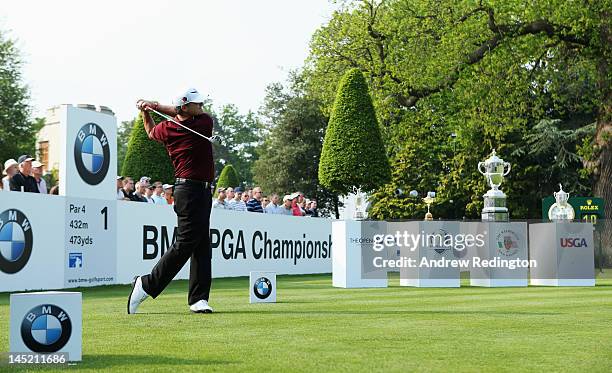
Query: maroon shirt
{"points": [[191, 155]]}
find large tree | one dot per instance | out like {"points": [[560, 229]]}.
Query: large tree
{"points": [[486, 71], [289, 156], [17, 130]]}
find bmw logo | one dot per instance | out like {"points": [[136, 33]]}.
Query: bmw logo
{"points": [[15, 241], [262, 288], [92, 153], [46, 328]]}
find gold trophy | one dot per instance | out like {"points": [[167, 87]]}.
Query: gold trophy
{"points": [[429, 199]]}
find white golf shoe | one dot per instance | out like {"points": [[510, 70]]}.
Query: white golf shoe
{"points": [[201, 307], [137, 296]]}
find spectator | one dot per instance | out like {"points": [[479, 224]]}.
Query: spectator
{"points": [[54, 190], [139, 193], [231, 204], [23, 180], [265, 201], [158, 197], [295, 208], [240, 205], [128, 189], [220, 201], [254, 204], [168, 189], [10, 169], [37, 173], [273, 207], [145, 180], [312, 210], [120, 194], [229, 196], [286, 208], [149, 193]]}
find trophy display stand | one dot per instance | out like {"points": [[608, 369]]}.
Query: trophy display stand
{"points": [[564, 253], [503, 241], [434, 249], [351, 248]]}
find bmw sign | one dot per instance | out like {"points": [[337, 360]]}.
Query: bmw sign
{"points": [[15, 241], [91, 153], [46, 328], [262, 288]]}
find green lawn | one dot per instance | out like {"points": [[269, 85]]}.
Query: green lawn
{"points": [[315, 327]]}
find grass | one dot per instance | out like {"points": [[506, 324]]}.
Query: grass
{"points": [[315, 327]]}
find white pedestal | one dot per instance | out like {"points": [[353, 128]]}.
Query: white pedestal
{"points": [[351, 244], [433, 247], [564, 252], [262, 287], [505, 241], [47, 322]]}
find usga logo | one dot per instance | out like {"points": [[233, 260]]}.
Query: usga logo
{"points": [[46, 328], [507, 242], [15, 241], [91, 153], [262, 288], [573, 242]]}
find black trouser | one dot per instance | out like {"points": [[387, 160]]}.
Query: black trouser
{"points": [[192, 204]]}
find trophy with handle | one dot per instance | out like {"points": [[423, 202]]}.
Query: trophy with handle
{"points": [[494, 170]]}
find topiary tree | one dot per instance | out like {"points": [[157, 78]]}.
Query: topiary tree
{"points": [[353, 154], [145, 157], [228, 177]]}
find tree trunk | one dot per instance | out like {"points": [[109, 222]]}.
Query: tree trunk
{"points": [[602, 186]]}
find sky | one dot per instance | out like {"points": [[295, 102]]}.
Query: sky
{"points": [[113, 52]]}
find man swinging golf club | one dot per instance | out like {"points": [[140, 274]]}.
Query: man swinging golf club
{"points": [[186, 134]]}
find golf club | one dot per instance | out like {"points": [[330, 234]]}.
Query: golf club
{"points": [[213, 139]]}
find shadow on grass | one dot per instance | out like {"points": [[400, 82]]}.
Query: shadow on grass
{"points": [[372, 312], [143, 360]]}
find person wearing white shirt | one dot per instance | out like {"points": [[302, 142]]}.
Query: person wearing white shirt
{"points": [[157, 194], [273, 207], [10, 169], [219, 203], [37, 173]]}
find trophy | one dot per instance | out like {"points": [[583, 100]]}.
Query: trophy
{"points": [[359, 213], [431, 197], [494, 170], [561, 210]]}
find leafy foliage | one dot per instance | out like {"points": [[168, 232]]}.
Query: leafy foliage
{"points": [[228, 177], [146, 157], [353, 154]]}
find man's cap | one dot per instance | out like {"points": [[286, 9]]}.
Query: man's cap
{"points": [[287, 197], [294, 195], [220, 189], [119, 177], [37, 164], [191, 95], [238, 190], [167, 186], [24, 158], [9, 163], [151, 187], [145, 179]]}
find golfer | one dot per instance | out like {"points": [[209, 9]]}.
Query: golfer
{"points": [[192, 157]]}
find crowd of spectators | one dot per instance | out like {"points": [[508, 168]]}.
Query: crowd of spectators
{"points": [[25, 175]]}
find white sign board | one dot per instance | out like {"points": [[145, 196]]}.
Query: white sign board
{"points": [[262, 287], [47, 322], [88, 164]]}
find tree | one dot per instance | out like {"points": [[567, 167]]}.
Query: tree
{"points": [[240, 138], [146, 157], [123, 137], [289, 156], [228, 177], [353, 154], [17, 131], [487, 72]]}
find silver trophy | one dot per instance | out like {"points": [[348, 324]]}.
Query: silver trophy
{"points": [[561, 210], [360, 200], [494, 170]]}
